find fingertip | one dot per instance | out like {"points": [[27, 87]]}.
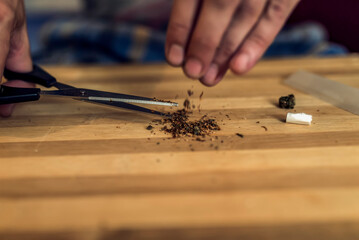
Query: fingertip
{"points": [[193, 68], [175, 55], [210, 77], [240, 63], [6, 110], [219, 76]]}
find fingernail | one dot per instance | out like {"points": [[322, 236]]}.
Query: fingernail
{"points": [[211, 74], [241, 63], [193, 68], [176, 54]]}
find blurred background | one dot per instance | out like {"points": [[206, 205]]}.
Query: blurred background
{"points": [[133, 31]]}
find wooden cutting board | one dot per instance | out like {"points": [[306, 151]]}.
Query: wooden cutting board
{"points": [[73, 170]]}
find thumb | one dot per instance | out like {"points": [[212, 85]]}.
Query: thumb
{"points": [[15, 54]]}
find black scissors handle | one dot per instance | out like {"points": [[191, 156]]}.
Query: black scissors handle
{"points": [[37, 75], [16, 95]]}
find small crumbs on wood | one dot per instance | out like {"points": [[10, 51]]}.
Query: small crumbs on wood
{"points": [[216, 147], [149, 127], [240, 135], [258, 122], [222, 141], [265, 128], [201, 95], [189, 92], [158, 143]]}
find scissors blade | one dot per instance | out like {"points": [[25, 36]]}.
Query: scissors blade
{"points": [[126, 106], [88, 94]]}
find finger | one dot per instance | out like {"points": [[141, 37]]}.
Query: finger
{"points": [[7, 109], [18, 60], [179, 28], [242, 22], [213, 20], [15, 50], [263, 34], [19, 57]]}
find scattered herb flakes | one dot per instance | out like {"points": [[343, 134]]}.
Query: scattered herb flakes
{"points": [[201, 95], [189, 92], [158, 143], [149, 127], [287, 102], [265, 128], [240, 135], [187, 104]]}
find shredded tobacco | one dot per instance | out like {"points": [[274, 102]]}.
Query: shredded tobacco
{"points": [[178, 125]]}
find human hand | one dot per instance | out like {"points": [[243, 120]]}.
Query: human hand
{"points": [[209, 37], [14, 45]]}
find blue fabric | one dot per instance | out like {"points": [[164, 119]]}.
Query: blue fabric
{"points": [[302, 40], [71, 41]]}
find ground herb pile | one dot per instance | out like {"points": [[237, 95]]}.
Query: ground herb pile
{"points": [[178, 125]]}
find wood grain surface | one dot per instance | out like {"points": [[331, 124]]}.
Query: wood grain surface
{"points": [[73, 170]]}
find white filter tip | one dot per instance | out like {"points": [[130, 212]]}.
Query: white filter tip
{"points": [[299, 118]]}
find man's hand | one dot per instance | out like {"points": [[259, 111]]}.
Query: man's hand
{"points": [[208, 37], [14, 44]]}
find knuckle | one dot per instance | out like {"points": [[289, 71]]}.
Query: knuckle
{"points": [[260, 41], [278, 10], [223, 4], [227, 48], [204, 44], [7, 14], [179, 27], [252, 10]]}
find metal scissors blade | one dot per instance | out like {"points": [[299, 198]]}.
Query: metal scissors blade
{"points": [[127, 106], [94, 95]]}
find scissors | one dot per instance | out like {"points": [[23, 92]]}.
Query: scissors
{"points": [[39, 76]]}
